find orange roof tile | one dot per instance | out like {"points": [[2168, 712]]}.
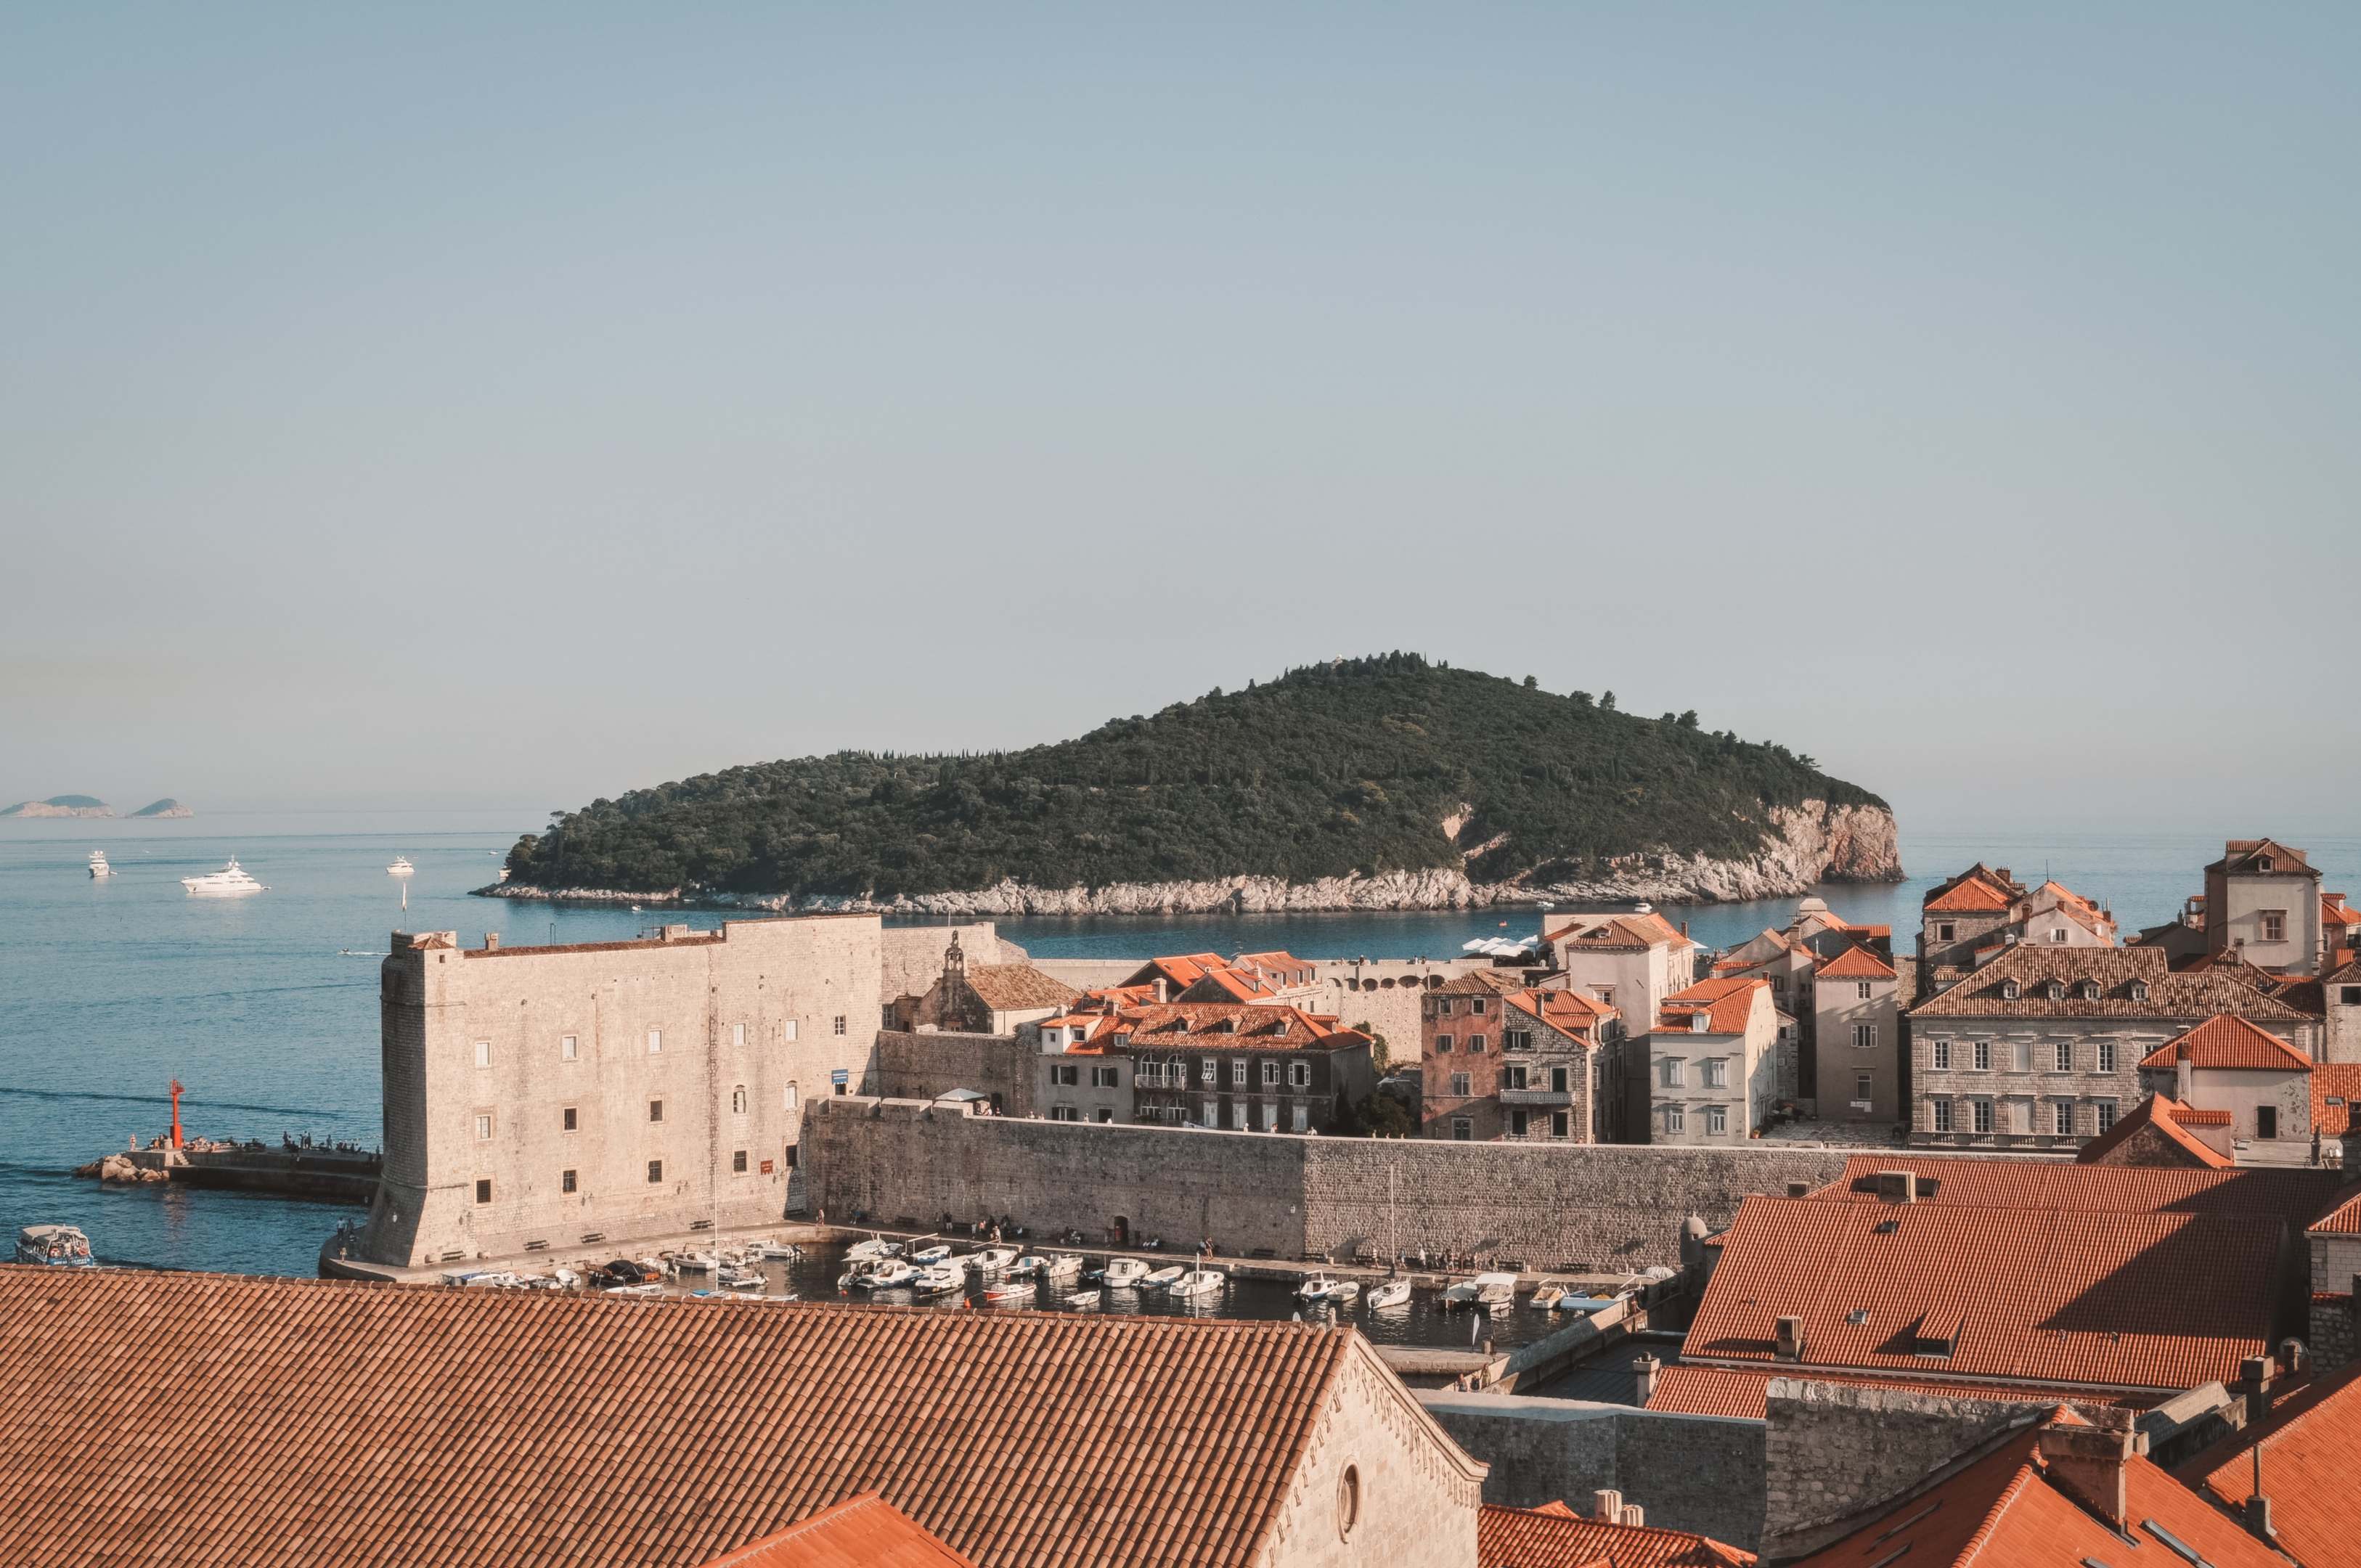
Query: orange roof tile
{"points": [[2337, 912], [865, 1531], [1238, 984], [1569, 1012], [303, 1424], [2294, 1193], [1557, 1537], [2168, 1119], [2123, 1300], [2004, 1509], [1195, 1025], [2230, 1044], [1016, 988], [1856, 963], [2309, 1440], [2116, 969], [2343, 1217], [2337, 1080], [2238, 852], [1728, 1005], [1969, 894], [1733, 1391]]}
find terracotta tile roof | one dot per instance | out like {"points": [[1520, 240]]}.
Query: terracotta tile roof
{"points": [[2166, 1118], [2053, 1296], [275, 1424], [2238, 852], [2230, 1044], [2116, 969], [865, 1531], [1978, 889], [2005, 1510], [1238, 984], [1731, 1391], [2293, 1194], [1483, 983], [1728, 1005], [1281, 968], [1856, 963], [1557, 1537], [1221, 1026], [1619, 932], [1014, 988], [1179, 971], [2343, 1216], [2308, 1440], [1569, 1012], [2191, 1116], [2338, 1081]]}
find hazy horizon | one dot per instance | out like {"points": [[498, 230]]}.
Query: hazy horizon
{"points": [[477, 409]]}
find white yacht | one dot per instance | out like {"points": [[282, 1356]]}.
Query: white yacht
{"points": [[1197, 1282], [229, 879], [400, 867], [98, 866]]}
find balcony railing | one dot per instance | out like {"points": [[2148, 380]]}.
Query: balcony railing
{"points": [[1536, 1097]]}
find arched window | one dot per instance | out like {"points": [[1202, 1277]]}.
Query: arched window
{"points": [[737, 1100], [791, 1097]]}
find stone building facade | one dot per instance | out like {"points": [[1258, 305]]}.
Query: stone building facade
{"points": [[1713, 1065], [1459, 1055], [1262, 1070], [1857, 1014], [2262, 902], [2041, 1046], [545, 1096]]}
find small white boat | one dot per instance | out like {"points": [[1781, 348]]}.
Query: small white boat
{"points": [[1320, 1288], [933, 1254], [876, 1246], [1570, 1302], [742, 1279], [645, 1287], [1197, 1282], [1547, 1298], [400, 867], [938, 1277], [1062, 1266], [891, 1273], [98, 866], [694, 1263], [1029, 1266], [1392, 1293], [1484, 1293], [61, 1246], [780, 1252], [1162, 1278], [230, 879], [1082, 1301], [1008, 1295], [1122, 1273], [992, 1260]]}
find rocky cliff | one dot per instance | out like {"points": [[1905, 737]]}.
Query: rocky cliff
{"points": [[1809, 844]]}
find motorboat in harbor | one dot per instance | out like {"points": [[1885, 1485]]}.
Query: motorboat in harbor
{"points": [[401, 867], [98, 866], [1392, 1293], [1122, 1273], [1321, 1292], [230, 879], [1008, 1295], [1082, 1301], [938, 1277], [1547, 1298], [1483, 1293], [874, 1247], [1063, 1267], [992, 1260], [939, 1252], [779, 1251], [1029, 1266], [1197, 1282], [884, 1274], [56, 1246], [1570, 1302], [693, 1261], [736, 1279], [1162, 1278]]}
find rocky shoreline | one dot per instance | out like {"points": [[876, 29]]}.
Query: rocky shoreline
{"points": [[1813, 843]]}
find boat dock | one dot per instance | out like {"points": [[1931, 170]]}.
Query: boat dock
{"points": [[320, 1173]]}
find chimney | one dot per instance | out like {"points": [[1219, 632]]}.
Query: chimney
{"points": [[1161, 992], [2087, 1463], [2181, 1075], [2292, 1356], [2255, 1382], [1789, 1345], [2002, 872], [1607, 1506], [1634, 1516], [1645, 1369], [491, 941]]}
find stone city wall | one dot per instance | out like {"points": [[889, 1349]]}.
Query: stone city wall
{"points": [[923, 1065], [1546, 1206]]}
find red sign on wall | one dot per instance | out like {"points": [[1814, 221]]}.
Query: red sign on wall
{"points": [[766, 1168]]}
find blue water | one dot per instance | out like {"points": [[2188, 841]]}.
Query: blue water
{"points": [[265, 1007]]}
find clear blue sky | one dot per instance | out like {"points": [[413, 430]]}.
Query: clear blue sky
{"points": [[511, 405]]}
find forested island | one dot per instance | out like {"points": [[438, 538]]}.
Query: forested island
{"points": [[1385, 782]]}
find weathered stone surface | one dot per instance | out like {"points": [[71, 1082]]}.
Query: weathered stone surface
{"points": [[1807, 845]]}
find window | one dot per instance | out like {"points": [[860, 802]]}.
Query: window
{"points": [[1558, 1121], [2274, 925], [565, 1048], [1462, 1129], [1983, 1056], [2010, 991], [2063, 1123], [1239, 1067], [1211, 1116], [1443, 1045], [1211, 1072], [2139, 991], [2348, 996], [656, 1170], [1669, 1072], [2064, 1055], [1239, 1116], [484, 1191], [1942, 1115], [1984, 1115], [1557, 1080], [1064, 1113], [1303, 1118], [1860, 1086], [1270, 1075], [1864, 1037], [1863, 990], [1517, 1040], [483, 1129], [1605, 994], [1946, 932], [569, 1119], [1064, 1075], [2057, 933], [837, 1026], [1516, 1124], [1716, 1073], [1443, 1007], [1106, 1113], [1939, 1053], [737, 1100], [1512, 1077], [655, 1110], [2266, 1120], [655, 1042], [1477, 1006], [738, 1037], [1675, 1119], [1717, 1118], [791, 1028], [1459, 1086], [737, 1162], [483, 1053], [787, 1099], [2106, 1056], [566, 1181], [1476, 1045], [1103, 1077], [2087, 990], [2106, 1114], [2025, 1056], [1299, 1075]]}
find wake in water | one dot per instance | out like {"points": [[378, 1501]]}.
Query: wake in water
{"points": [[188, 1101]]}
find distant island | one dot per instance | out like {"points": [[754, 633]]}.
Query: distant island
{"points": [[1385, 783], [60, 806], [167, 807]]}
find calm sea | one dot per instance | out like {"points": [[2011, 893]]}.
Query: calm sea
{"points": [[263, 1006]]}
